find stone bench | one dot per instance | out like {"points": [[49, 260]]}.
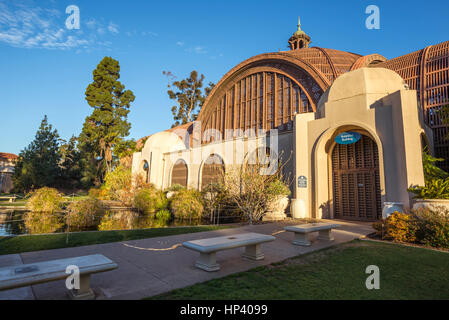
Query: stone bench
{"points": [[9, 198], [40, 272], [302, 232], [209, 247]]}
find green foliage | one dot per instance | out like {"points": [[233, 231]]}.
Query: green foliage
{"points": [[278, 188], [163, 216], [434, 189], [46, 200], [84, 213], [70, 164], [118, 185], [175, 187], [431, 171], [107, 126], [432, 227], [38, 164], [425, 226], [188, 95], [150, 200], [187, 204]]}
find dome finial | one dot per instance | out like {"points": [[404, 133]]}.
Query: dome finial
{"points": [[299, 24]]}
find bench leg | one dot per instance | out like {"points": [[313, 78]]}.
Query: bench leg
{"points": [[301, 239], [84, 292], [325, 235], [208, 262], [253, 252]]}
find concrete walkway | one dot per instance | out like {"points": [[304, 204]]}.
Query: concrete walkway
{"points": [[143, 273]]}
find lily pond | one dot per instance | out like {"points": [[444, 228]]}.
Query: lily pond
{"points": [[12, 222]]}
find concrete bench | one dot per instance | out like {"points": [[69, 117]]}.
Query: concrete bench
{"points": [[40, 272], [9, 198], [209, 247], [302, 232]]}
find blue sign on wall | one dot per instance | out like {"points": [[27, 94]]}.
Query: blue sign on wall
{"points": [[347, 137]]}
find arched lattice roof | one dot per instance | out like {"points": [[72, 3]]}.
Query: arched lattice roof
{"points": [[313, 68]]}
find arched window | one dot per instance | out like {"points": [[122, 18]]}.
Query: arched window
{"points": [[146, 170], [261, 101], [213, 170], [179, 173]]}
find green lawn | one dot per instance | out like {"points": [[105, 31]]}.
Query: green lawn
{"points": [[27, 243], [335, 273]]}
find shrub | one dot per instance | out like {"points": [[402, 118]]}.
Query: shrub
{"points": [[118, 185], [175, 187], [163, 216], [46, 200], [425, 226], [150, 200], [398, 227], [432, 227], [43, 221], [84, 213], [94, 192], [434, 189], [187, 204]]}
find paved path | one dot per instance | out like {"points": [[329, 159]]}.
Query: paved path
{"points": [[143, 273]]}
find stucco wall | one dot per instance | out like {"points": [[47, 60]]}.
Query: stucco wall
{"points": [[376, 103]]}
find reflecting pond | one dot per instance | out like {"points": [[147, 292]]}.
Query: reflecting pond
{"points": [[12, 222]]}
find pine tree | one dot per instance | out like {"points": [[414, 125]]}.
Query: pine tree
{"points": [[38, 163], [107, 126]]}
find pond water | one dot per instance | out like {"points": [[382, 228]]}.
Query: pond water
{"points": [[12, 222]]}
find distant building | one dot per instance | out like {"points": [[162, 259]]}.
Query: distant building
{"points": [[7, 164]]}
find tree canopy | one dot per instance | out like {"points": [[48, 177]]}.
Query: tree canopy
{"points": [[189, 96], [107, 126], [38, 163]]}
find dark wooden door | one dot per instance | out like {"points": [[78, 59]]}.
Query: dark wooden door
{"points": [[356, 183], [179, 173]]}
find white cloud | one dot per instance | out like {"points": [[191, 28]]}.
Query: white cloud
{"points": [[113, 28], [180, 43], [26, 26], [197, 50]]}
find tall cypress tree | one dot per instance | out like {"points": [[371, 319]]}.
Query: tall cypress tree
{"points": [[38, 163], [107, 126]]}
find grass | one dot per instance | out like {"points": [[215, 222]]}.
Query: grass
{"points": [[9, 245], [335, 273]]}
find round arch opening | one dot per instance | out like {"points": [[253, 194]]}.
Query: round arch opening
{"points": [[212, 170], [179, 174], [356, 190]]}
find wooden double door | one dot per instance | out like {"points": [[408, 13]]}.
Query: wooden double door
{"points": [[356, 183]]}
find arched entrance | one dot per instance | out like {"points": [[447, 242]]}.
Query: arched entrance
{"points": [[213, 169], [355, 180], [179, 173]]}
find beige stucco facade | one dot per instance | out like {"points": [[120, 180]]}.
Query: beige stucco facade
{"points": [[374, 102]]}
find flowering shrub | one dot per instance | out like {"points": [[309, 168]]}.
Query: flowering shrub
{"points": [[425, 226]]}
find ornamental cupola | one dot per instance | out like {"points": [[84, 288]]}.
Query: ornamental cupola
{"points": [[299, 39]]}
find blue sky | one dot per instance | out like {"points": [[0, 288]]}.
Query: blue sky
{"points": [[45, 68]]}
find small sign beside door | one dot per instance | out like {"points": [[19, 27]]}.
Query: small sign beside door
{"points": [[347, 137], [302, 182]]}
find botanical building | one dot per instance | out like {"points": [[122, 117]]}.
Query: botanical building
{"points": [[351, 126]]}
